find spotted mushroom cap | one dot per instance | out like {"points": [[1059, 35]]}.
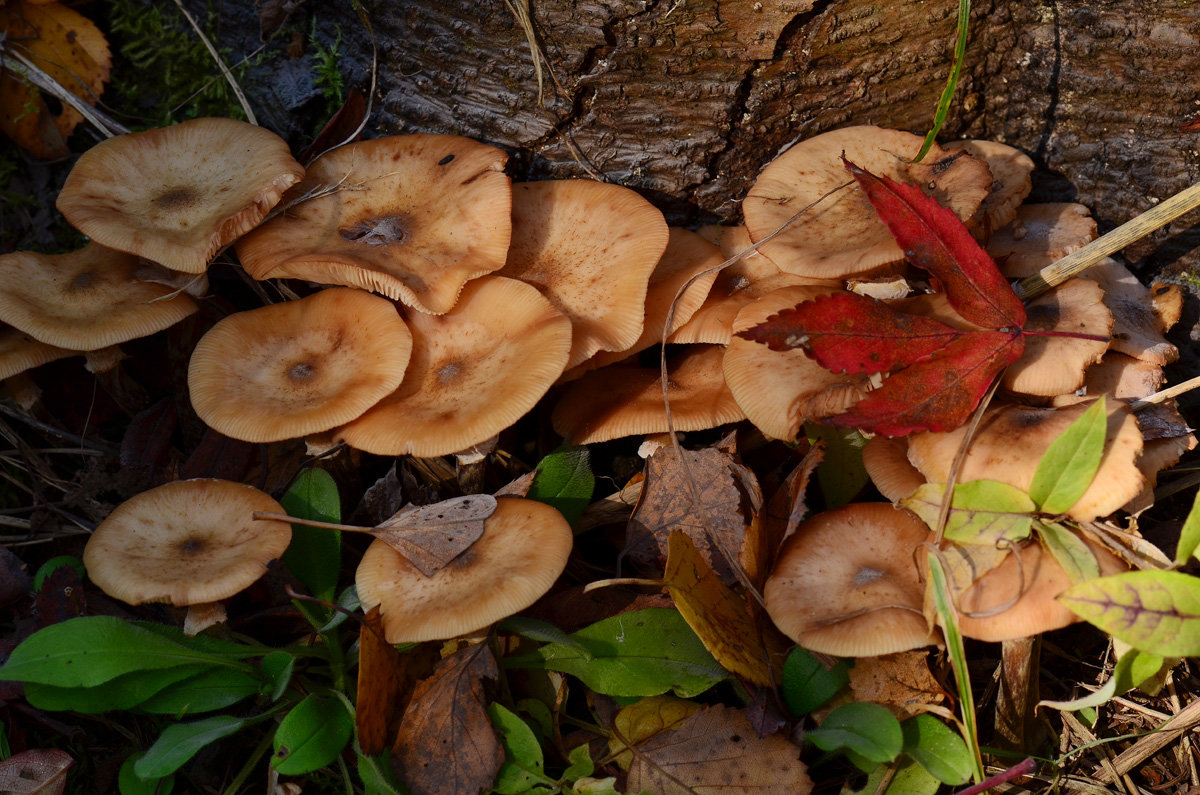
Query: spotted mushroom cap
{"points": [[1039, 235], [176, 195], [414, 217], [186, 542]]}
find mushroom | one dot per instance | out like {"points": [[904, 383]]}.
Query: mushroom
{"points": [[522, 551], [1039, 235], [1010, 169], [177, 195], [299, 367], [189, 542], [845, 583], [886, 460], [474, 371], [1138, 328], [414, 217]]}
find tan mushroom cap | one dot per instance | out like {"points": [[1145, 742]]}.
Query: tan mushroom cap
{"points": [[523, 550], [176, 195], [186, 542], [886, 460], [20, 352], [474, 371], [1011, 171], [843, 236], [1058, 365], [625, 399], [1039, 235], [1011, 440], [1118, 376], [846, 582], [413, 217], [286, 370], [85, 300], [1026, 589], [590, 248], [1138, 327], [781, 390]]}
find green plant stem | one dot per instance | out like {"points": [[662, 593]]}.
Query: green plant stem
{"points": [[263, 746], [960, 52]]}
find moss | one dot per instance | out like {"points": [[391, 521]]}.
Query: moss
{"points": [[327, 77]]}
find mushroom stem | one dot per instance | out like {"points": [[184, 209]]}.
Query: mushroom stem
{"points": [[1135, 229], [203, 615], [1166, 394], [1017, 695]]}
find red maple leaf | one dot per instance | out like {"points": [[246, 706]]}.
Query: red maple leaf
{"points": [[937, 373]]}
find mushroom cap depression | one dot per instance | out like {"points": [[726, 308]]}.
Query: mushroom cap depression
{"points": [[176, 195], [186, 542]]}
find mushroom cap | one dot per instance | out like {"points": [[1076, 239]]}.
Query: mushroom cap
{"points": [[20, 352], [734, 288], [625, 399], [886, 460], [186, 542], [414, 217], [474, 371], [1011, 440], [1039, 235], [523, 550], [1011, 171], [86, 299], [590, 247], [176, 195], [1058, 365], [1031, 609], [1138, 326], [846, 582], [290, 369], [843, 235], [1118, 376], [781, 390]]}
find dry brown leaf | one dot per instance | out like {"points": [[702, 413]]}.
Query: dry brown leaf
{"points": [[41, 771], [718, 615], [385, 683], [447, 744], [642, 720], [666, 505], [716, 752], [70, 49], [787, 506], [431, 536], [902, 682]]}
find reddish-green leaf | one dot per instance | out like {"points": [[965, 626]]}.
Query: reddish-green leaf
{"points": [[934, 239], [939, 392], [847, 332]]}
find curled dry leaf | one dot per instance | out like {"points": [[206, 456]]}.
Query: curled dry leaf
{"points": [[42, 771], [431, 536], [386, 679], [902, 682]]}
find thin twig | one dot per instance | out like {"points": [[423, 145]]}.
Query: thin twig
{"points": [[216, 56], [26, 69], [1166, 394]]}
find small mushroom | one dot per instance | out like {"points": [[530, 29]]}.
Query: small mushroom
{"points": [[1138, 325], [886, 460], [1039, 235], [1057, 365], [1011, 183]]}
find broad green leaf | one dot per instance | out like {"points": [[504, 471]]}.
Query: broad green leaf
{"points": [[982, 511], [1189, 536], [937, 748], [128, 782], [201, 643], [1153, 611], [1070, 551], [564, 480], [807, 684], [524, 765], [123, 692], [49, 567], [278, 667], [1070, 462], [181, 741], [581, 765], [88, 651], [207, 691], [315, 555], [868, 730], [640, 653], [841, 473], [908, 778], [312, 735], [541, 631], [1133, 668]]}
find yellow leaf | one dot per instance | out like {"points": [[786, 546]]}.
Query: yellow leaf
{"points": [[642, 720]]}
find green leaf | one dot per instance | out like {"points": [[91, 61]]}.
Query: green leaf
{"points": [[937, 748], [124, 692], [1153, 611], [312, 735], [1189, 536], [50, 566], [315, 555], [581, 765], [278, 667], [524, 764], [908, 778], [868, 730], [1133, 668], [639, 653], [541, 631], [207, 691], [1070, 462], [377, 775], [841, 472], [88, 651], [1077, 560], [807, 683], [201, 643], [128, 782], [564, 480], [982, 511], [181, 741]]}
